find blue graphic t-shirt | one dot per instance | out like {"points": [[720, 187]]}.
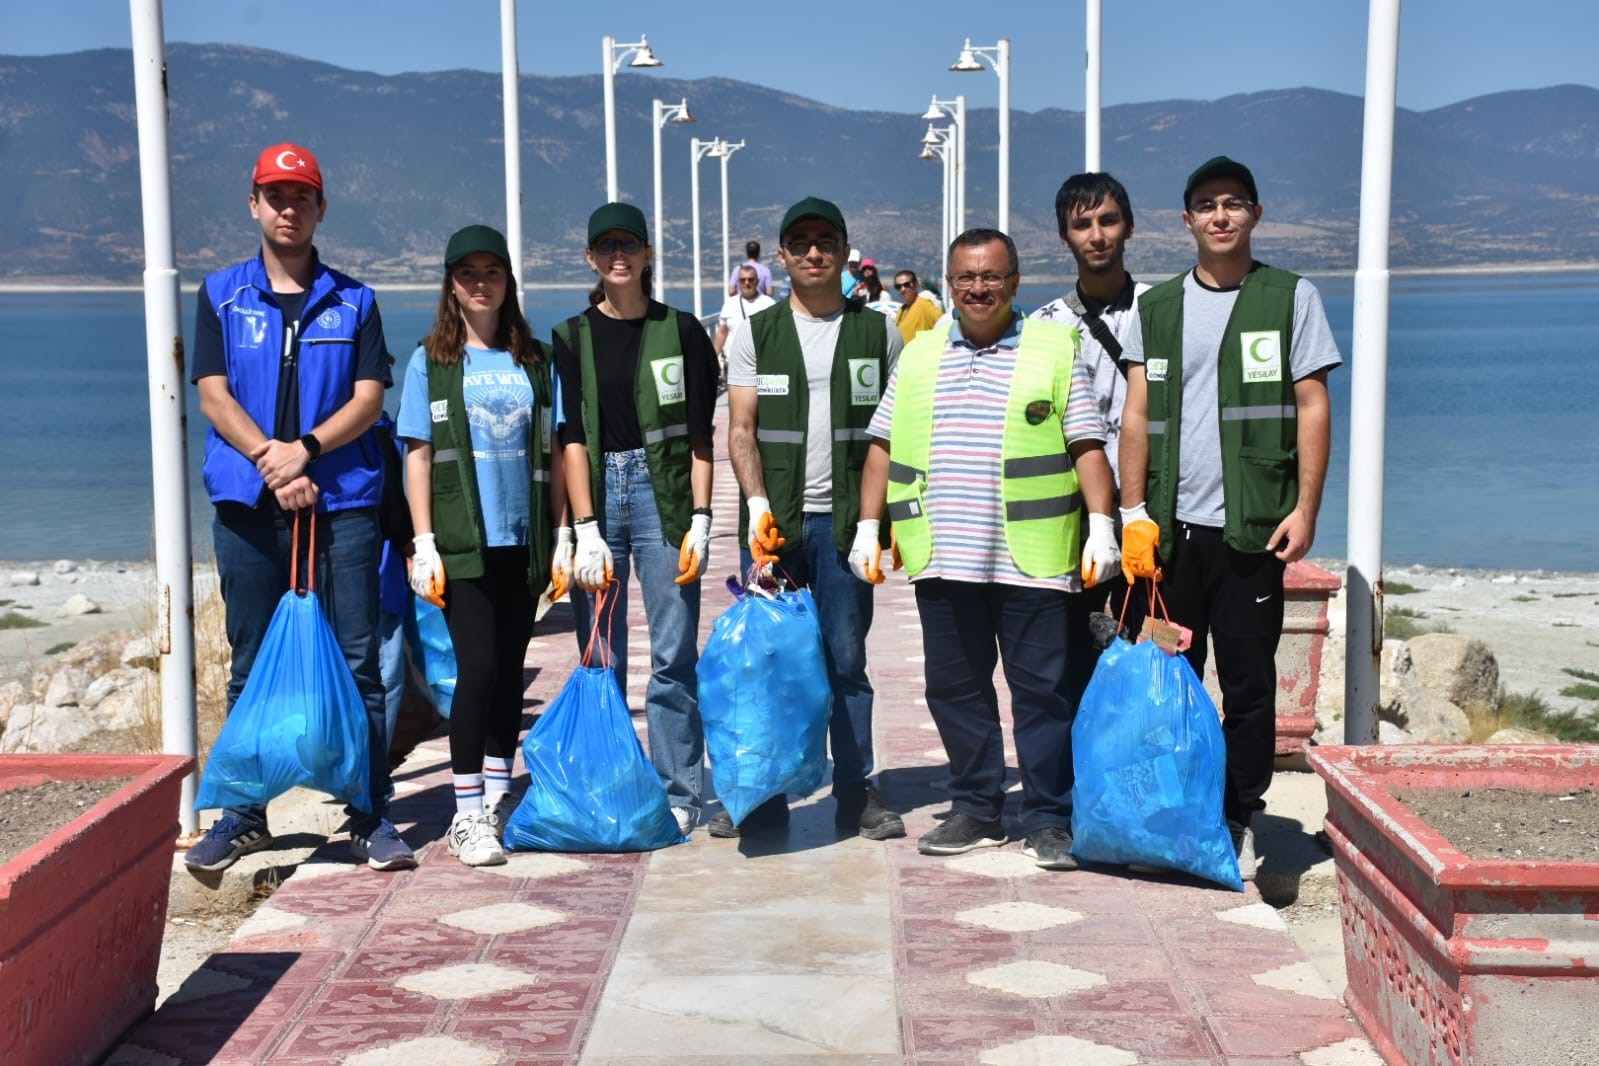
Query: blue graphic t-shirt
{"points": [[499, 405]]}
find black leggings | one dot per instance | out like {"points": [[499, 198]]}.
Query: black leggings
{"points": [[491, 622]]}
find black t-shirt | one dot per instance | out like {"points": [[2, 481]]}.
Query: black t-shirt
{"points": [[616, 355]]}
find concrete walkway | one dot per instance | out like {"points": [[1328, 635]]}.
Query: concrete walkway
{"points": [[799, 948]]}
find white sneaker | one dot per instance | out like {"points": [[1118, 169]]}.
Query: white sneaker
{"points": [[472, 839], [685, 819], [1247, 863], [499, 810]]}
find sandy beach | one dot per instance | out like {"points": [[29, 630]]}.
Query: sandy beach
{"points": [[1538, 623]]}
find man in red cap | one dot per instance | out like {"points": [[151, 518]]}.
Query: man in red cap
{"points": [[290, 364]]}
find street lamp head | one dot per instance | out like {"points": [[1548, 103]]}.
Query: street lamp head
{"points": [[968, 59], [928, 153], [643, 57], [933, 112], [932, 136], [681, 113]]}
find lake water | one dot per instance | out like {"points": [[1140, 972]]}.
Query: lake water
{"points": [[1493, 395]]}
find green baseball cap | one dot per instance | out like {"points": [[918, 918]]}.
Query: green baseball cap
{"points": [[474, 239], [814, 207], [624, 217], [1220, 167]]}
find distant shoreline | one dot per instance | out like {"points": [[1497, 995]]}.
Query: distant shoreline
{"points": [[1041, 280]]}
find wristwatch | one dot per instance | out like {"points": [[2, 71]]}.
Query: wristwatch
{"points": [[313, 447]]}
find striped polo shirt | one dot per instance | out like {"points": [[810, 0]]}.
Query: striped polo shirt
{"points": [[964, 459]]}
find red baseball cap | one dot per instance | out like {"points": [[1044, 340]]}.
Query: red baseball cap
{"points": [[287, 162]]}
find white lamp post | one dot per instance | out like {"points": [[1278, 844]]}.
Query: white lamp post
{"points": [[940, 144], [513, 140], [697, 150], [1091, 91], [663, 114], [724, 151], [954, 109], [612, 57], [997, 56]]}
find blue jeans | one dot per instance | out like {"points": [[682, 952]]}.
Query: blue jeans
{"points": [[844, 609], [391, 667], [631, 525], [252, 547]]}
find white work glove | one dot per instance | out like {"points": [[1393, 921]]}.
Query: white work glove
{"points": [[764, 537], [866, 554], [427, 570], [561, 563], [1101, 557], [592, 564], [695, 551]]}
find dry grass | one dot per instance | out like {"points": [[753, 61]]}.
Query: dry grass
{"points": [[1530, 711], [212, 655]]}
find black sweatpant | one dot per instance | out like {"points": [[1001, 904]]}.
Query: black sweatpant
{"points": [[1236, 599], [1082, 651], [491, 622]]}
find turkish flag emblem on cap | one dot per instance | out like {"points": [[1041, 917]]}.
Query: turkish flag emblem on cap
{"points": [[287, 162]]}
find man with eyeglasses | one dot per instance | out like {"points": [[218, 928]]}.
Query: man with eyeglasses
{"points": [[1095, 218], [740, 306], [916, 312], [985, 448], [803, 380], [1225, 439]]}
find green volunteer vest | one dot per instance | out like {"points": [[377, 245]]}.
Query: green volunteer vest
{"points": [[860, 366], [457, 508], [661, 396], [1259, 419], [1038, 484]]}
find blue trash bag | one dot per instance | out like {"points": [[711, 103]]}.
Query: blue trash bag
{"points": [[764, 699], [1150, 765], [300, 721], [592, 787], [429, 637]]}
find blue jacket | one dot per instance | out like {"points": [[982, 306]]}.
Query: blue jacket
{"points": [[252, 330]]}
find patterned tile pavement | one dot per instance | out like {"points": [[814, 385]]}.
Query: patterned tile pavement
{"points": [[994, 961]]}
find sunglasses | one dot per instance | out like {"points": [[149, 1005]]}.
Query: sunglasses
{"points": [[904, 285], [625, 245]]}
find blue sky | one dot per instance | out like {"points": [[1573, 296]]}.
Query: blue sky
{"points": [[894, 56]]}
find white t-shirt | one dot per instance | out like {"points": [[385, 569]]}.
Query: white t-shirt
{"points": [[818, 338], [737, 310], [1205, 313]]}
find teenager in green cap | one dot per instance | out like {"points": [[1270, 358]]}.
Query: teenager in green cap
{"points": [[476, 415], [637, 394]]}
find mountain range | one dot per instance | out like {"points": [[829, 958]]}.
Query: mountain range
{"points": [[1510, 178]]}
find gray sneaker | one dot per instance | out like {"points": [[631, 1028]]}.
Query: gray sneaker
{"points": [[375, 841], [1247, 863], [1050, 848]]}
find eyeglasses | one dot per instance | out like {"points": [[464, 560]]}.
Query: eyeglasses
{"points": [[799, 246], [1207, 208], [625, 245], [966, 282]]}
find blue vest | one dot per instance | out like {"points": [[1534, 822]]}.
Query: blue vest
{"points": [[252, 338]]}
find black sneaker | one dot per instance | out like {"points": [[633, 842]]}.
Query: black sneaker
{"points": [[863, 809], [961, 833], [227, 840], [375, 841], [1050, 848], [768, 817]]}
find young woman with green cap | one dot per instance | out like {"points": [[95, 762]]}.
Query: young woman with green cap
{"points": [[637, 385], [476, 417]]}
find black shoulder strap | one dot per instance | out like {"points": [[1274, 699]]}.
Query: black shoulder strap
{"points": [[1096, 325]]}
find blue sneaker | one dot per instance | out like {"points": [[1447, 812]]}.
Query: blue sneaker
{"points": [[225, 841], [375, 840]]}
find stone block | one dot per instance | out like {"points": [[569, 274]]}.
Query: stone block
{"points": [[1459, 668]]}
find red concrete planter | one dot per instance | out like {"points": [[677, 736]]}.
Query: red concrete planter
{"points": [[1453, 960], [82, 911], [1306, 590]]}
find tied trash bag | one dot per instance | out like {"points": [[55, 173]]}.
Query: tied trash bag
{"points": [[1150, 764], [592, 788], [300, 721], [430, 638], [764, 699]]}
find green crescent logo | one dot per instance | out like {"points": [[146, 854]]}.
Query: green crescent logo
{"points": [[1255, 354], [865, 375], [672, 373]]}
